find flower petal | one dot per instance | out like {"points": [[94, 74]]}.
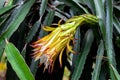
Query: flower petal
{"points": [[60, 57], [47, 28], [70, 48]]}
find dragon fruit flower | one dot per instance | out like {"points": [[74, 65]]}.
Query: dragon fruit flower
{"points": [[48, 48]]}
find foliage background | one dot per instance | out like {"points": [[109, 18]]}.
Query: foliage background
{"points": [[97, 46]]}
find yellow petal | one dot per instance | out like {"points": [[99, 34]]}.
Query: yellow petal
{"points": [[67, 25], [59, 22], [37, 56], [60, 57], [70, 48], [75, 18], [47, 28], [67, 53]]}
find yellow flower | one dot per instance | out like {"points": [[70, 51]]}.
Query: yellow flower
{"points": [[48, 48], [3, 66]]}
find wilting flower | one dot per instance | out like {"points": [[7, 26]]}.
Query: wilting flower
{"points": [[48, 48]]}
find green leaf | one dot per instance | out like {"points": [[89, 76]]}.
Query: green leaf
{"points": [[19, 17], [49, 18], [76, 8], [5, 9], [99, 57], [109, 32], [43, 6], [102, 74], [15, 22], [90, 4], [116, 74], [2, 3], [109, 36], [32, 31], [84, 9], [99, 6], [77, 36], [3, 19], [9, 2], [79, 1], [17, 62], [116, 24], [83, 55], [76, 47], [117, 7], [34, 66], [31, 34], [61, 16]]}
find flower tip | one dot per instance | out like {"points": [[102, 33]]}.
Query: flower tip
{"points": [[32, 45], [60, 65]]}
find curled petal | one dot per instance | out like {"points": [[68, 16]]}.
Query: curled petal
{"points": [[60, 57], [67, 53], [70, 48], [59, 23], [47, 28]]}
